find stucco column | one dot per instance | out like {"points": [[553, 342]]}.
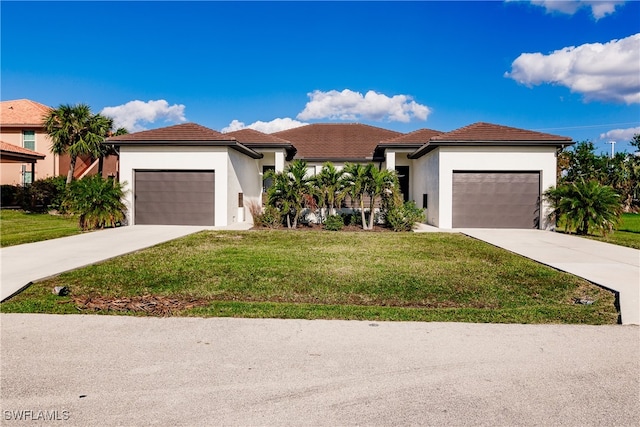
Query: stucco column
{"points": [[391, 160], [279, 161]]}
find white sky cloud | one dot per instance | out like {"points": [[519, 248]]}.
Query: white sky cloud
{"points": [[599, 9], [605, 72], [620, 135], [274, 125], [134, 115], [350, 105]]}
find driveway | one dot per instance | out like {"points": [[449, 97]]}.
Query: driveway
{"points": [[23, 264], [121, 370], [611, 266]]}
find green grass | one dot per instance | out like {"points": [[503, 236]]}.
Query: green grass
{"points": [[374, 276], [626, 234], [18, 227]]}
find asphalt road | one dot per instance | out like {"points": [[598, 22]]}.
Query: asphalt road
{"points": [[85, 370]]}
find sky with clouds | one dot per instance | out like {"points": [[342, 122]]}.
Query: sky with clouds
{"points": [[570, 68]]}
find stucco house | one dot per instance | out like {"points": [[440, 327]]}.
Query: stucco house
{"points": [[22, 132], [481, 175]]}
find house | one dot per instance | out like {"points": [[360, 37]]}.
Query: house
{"points": [[21, 128], [481, 175]]}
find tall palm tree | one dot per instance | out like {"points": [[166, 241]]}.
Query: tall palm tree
{"points": [[329, 186], [585, 205], [356, 182], [289, 190], [76, 131], [383, 187]]}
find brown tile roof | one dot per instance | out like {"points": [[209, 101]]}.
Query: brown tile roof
{"points": [[479, 132], [16, 153], [420, 136], [487, 134], [22, 112], [336, 141], [184, 132], [248, 136]]}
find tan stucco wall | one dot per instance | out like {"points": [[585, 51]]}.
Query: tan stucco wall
{"points": [[11, 173]]}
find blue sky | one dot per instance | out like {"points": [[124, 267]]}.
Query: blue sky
{"points": [[569, 68]]}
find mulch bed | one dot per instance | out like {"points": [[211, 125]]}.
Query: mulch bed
{"points": [[150, 304]]}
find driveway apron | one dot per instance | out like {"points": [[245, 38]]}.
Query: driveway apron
{"points": [[611, 266], [23, 264]]}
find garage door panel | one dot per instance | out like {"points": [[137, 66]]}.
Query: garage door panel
{"points": [[496, 199], [174, 197]]}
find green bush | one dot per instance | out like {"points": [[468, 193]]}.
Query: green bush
{"points": [[9, 195], [403, 217], [334, 223], [352, 218], [270, 217], [97, 201], [45, 194]]}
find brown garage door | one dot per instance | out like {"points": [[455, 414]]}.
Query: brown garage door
{"points": [[174, 197], [496, 199]]}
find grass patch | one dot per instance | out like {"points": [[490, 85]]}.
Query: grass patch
{"points": [[627, 233], [18, 227], [375, 276]]}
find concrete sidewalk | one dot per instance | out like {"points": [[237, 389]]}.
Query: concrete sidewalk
{"points": [[610, 266], [23, 264]]}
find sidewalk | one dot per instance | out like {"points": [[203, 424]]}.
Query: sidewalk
{"points": [[23, 264], [611, 266]]}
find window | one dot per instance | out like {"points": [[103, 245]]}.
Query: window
{"points": [[27, 176], [267, 183], [29, 139]]}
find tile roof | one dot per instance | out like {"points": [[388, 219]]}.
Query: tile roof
{"points": [[480, 132], [184, 132], [419, 136], [336, 141], [248, 136], [22, 112], [9, 151]]}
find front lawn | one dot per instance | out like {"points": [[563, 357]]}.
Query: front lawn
{"points": [[329, 275], [626, 234], [18, 227]]}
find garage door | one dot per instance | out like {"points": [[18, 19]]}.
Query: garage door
{"points": [[496, 199], [174, 197]]}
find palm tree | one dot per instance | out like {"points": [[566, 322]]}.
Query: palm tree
{"points": [[289, 190], [76, 131], [329, 186], [356, 182], [585, 205], [383, 187]]}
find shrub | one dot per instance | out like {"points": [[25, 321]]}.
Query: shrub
{"points": [[45, 194], [255, 209], [9, 195], [334, 223], [352, 218], [404, 217], [97, 201], [270, 217]]}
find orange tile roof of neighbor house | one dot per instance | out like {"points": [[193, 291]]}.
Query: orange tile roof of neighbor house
{"points": [[22, 113], [12, 153], [336, 141]]}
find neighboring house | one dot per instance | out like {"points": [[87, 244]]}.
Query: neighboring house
{"points": [[21, 127], [482, 175]]}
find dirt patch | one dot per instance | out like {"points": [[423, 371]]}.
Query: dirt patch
{"points": [[150, 304]]}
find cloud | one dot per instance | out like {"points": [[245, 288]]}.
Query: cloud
{"points": [[599, 9], [606, 72], [350, 105], [274, 125], [134, 115], [620, 135]]}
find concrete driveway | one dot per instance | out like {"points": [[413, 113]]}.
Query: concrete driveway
{"points": [[23, 264], [610, 266], [121, 370]]}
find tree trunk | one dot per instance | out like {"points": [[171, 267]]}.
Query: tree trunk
{"points": [[100, 165], [364, 219], [72, 168], [372, 204]]}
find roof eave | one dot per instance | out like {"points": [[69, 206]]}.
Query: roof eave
{"points": [[234, 145], [12, 157], [432, 145]]}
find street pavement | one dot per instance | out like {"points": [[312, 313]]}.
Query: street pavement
{"points": [[89, 370]]}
